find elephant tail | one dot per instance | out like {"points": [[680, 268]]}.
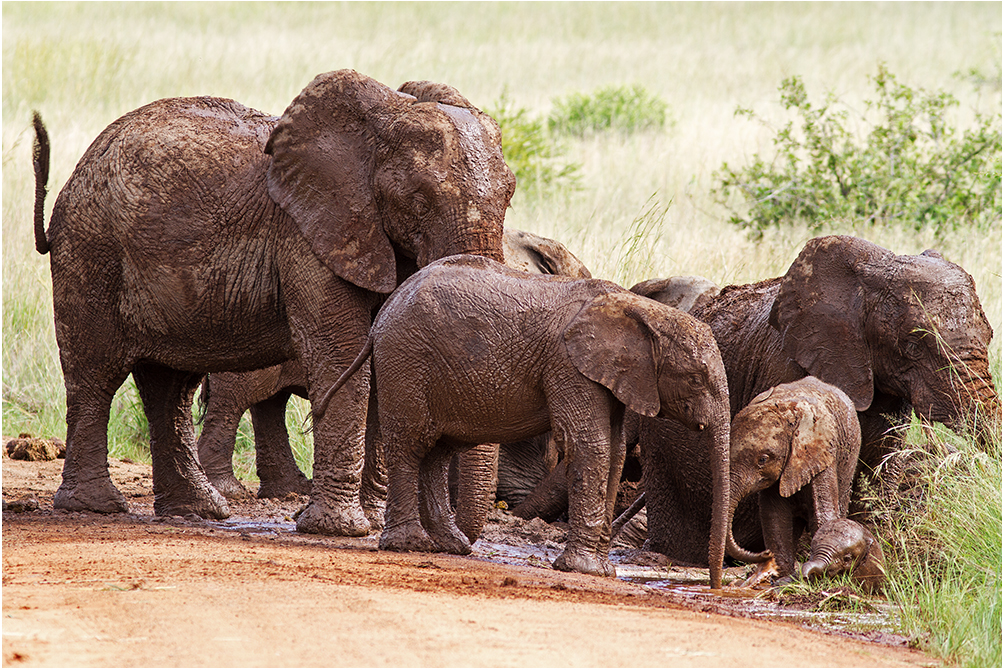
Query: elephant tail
{"points": [[40, 160], [628, 514], [322, 405]]}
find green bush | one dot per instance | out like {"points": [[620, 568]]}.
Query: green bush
{"points": [[912, 168], [625, 108], [531, 153]]}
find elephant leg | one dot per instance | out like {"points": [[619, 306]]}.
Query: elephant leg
{"points": [[588, 448], [330, 325], [180, 484], [86, 484], [278, 474], [373, 488], [216, 444], [550, 498], [477, 469], [435, 512], [778, 527], [403, 529]]}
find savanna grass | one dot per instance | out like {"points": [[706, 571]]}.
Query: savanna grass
{"points": [[643, 207]]}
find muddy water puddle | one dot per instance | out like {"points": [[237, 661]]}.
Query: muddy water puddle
{"points": [[537, 544]]}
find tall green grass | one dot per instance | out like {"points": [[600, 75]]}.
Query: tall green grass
{"points": [[643, 207]]}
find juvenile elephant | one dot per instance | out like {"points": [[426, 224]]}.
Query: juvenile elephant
{"points": [[846, 546], [895, 333], [197, 235], [468, 351], [228, 395], [796, 445]]}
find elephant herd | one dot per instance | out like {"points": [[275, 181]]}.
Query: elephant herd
{"points": [[352, 251]]}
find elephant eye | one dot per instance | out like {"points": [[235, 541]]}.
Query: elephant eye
{"points": [[420, 204], [696, 381], [913, 348], [762, 460]]}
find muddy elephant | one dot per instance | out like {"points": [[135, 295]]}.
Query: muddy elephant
{"points": [[846, 546], [796, 445], [895, 333], [532, 477], [197, 235], [227, 395], [468, 351]]}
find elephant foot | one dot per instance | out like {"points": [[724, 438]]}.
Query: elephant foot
{"points": [[190, 498], [319, 519], [451, 540], [589, 563], [407, 537], [230, 487], [283, 487], [98, 495]]}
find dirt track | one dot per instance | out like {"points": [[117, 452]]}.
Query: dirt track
{"points": [[129, 590]]}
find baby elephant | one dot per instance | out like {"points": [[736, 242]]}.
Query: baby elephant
{"points": [[796, 445], [843, 545], [469, 351]]}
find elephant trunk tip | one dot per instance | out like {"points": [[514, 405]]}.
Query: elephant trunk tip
{"points": [[812, 570]]}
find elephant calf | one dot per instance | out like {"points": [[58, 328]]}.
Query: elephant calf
{"points": [[469, 351], [843, 545], [796, 445]]}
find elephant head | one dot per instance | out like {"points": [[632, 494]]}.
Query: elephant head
{"points": [[686, 293], [864, 319], [801, 434], [366, 171], [540, 255], [844, 545]]}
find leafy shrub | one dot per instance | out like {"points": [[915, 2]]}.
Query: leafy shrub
{"points": [[912, 168], [529, 150], [625, 108]]}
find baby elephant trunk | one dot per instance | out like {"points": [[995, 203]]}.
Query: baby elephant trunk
{"points": [[841, 546]]}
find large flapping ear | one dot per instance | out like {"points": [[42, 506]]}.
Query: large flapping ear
{"points": [[820, 313], [323, 155], [610, 343], [431, 91], [812, 449]]}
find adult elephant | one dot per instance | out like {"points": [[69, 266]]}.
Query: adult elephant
{"points": [[227, 395], [895, 333], [197, 235]]}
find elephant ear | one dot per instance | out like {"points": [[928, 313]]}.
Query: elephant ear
{"points": [[812, 449], [820, 313], [610, 343], [323, 156]]}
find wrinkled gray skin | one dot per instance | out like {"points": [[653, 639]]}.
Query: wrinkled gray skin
{"points": [[468, 352], [796, 445], [530, 480], [843, 545], [196, 235], [227, 395], [854, 315]]}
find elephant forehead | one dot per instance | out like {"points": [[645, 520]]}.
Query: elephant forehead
{"points": [[474, 146]]}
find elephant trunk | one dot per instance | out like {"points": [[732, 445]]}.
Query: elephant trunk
{"points": [[477, 240], [737, 494], [981, 411], [720, 498]]}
